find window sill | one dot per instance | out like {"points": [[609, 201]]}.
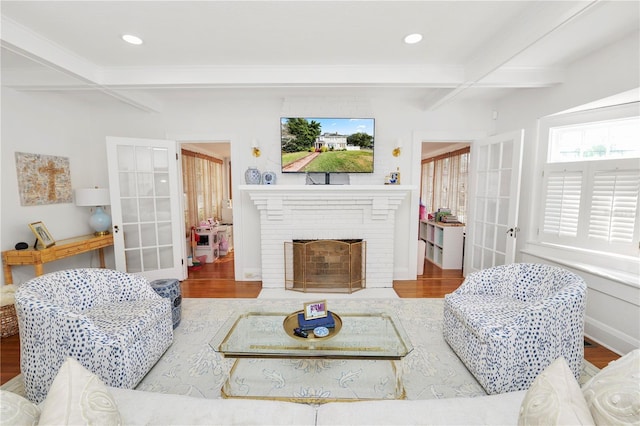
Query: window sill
{"points": [[622, 269]]}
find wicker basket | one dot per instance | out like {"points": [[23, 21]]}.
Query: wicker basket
{"points": [[8, 320]]}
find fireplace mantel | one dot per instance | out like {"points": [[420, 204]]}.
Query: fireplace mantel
{"points": [[290, 212], [325, 189], [273, 198]]}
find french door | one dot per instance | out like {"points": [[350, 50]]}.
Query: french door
{"points": [[148, 228], [496, 164]]}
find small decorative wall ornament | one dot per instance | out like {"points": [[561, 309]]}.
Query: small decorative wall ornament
{"points": [[43, 179], [252, 175], [398, 149], [255, 148]]}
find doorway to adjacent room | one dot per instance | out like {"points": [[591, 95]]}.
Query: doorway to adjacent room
{"points": [[206, 170]]}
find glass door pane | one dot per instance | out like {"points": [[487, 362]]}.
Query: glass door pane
{"points": [[147, 223]]}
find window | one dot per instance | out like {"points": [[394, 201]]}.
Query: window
{"points": [[595, 141], [591, 180], [202, 179], [445, 181]]}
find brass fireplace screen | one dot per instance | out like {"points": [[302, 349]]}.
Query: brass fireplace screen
{"points": [[330, 266]]}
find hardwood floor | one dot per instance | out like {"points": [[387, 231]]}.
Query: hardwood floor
{"points": [[434, 282], [9, 357], [216, 280]]}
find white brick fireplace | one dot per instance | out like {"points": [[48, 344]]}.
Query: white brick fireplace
{"points": [[308, 212]]}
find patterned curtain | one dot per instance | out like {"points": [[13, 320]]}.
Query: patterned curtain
{"points": [[202, 180], [444, 182]]}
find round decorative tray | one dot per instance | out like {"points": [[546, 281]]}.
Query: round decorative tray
{"points": [[291, 322]]}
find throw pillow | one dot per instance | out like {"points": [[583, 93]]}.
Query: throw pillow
{"points": [[554, 398], [16, 410], [613, 395], [77, 396]]}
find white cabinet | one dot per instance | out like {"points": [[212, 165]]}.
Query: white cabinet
{"points": [[445, 243]]}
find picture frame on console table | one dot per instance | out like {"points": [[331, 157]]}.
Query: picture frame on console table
{"points": [[42, 234], [314, 310]]}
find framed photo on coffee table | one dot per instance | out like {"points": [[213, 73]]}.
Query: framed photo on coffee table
{"points": [[315, 310]]}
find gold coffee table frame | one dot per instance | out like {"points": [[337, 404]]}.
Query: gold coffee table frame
{"points": [[363, 337]]}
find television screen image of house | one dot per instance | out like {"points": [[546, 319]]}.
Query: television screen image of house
{"points": [[327, 145]]}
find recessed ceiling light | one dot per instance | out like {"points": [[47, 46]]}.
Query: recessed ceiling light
{"points": [[413, 38], [132, 39]]}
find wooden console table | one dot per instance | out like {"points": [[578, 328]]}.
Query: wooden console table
{"points": [[63, 248]]}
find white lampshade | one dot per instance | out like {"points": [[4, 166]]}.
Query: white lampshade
{"points": [[92, 197]]}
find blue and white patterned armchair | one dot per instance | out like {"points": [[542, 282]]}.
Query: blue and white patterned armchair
{"points": [[509, 322], [112, 322]]}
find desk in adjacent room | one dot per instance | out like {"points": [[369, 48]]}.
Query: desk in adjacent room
{"points": [[63, 248]]}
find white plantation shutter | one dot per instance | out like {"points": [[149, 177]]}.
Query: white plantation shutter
{"points": [[562, 203], [592, 205], [614, 206]]}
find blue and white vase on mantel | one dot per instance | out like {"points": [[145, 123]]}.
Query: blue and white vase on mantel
{"points": [[252, 176]]}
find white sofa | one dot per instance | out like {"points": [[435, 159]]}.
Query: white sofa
{"points": [[145, 408], [79, 397]]}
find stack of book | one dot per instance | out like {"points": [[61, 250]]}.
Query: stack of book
{"points": [[310, 324], [442, 212], [450, 219]]}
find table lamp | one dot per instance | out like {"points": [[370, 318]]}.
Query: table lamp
{"points": [[98, 198]]}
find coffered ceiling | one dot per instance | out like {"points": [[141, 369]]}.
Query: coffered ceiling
{"points": [[470, 49]]}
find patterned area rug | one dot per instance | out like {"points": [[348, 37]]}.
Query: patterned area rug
{"points": [[431, 370], [191, 367]]}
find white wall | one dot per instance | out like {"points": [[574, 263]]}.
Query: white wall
{"points": [[613, 310], [63, 125], [241, 120], [60, 125]]}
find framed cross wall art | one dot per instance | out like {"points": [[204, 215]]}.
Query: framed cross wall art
{"points": [[43, 179]]}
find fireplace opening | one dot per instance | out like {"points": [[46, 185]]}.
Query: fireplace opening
{"points": [[330, 266]]}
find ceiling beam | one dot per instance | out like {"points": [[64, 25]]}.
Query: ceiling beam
{"points": [[521, 77], [24, 42], [536, 22], [73, 70], [291, 75], [318, 76]]}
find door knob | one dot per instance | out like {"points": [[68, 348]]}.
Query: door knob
{"points": [[513, 232]]}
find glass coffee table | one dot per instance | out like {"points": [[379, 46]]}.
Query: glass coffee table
{"points": [[359, 359]]}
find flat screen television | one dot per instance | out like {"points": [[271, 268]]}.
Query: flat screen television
{"points": [[327, 145]]}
